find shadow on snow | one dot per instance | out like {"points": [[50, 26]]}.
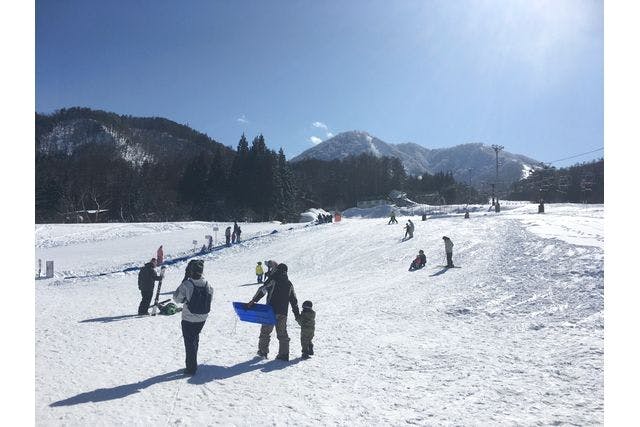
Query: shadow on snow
{"points": [[437, 273], [206, 373], [118, 392], [111, 319]]}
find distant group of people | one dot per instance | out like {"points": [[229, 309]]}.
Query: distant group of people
{"points": [[322, 218], [232, 237]]}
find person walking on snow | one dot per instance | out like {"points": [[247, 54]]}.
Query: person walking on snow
{"points": [[448, 249], [146, 282], [307, 322], [196, 295], [259, 271], [280, 294]]}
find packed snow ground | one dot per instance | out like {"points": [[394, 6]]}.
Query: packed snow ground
{"points": [[513, 337]]}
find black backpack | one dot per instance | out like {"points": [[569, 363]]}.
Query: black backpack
{"points": [[200, 302]]}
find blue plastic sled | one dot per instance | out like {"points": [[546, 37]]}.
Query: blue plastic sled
{"points": [[258, 313]]}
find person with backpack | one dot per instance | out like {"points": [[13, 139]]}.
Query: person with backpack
{"points": [[147, 278], [280, 294], [196, 295], [448, 249]]}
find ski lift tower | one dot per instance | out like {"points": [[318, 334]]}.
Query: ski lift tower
{"points": [[497, 149]]}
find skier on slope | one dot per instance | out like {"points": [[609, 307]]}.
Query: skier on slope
{"points": [[196, 295], [409, 230], [392, 219], [448, 249], [146, 282], [280, 294]]}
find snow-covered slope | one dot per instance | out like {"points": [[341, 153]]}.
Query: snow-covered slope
{"points": [[513, 337]]}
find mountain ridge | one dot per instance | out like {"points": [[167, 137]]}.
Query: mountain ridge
{"points": [[472, 162]]}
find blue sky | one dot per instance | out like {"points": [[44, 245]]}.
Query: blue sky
{"points": [[526, 74]]}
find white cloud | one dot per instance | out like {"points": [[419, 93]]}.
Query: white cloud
{"points": [[329, 134], [242, 119], [319, 125], [315, 140]]}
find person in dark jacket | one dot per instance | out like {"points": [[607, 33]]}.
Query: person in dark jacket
{"points": [[146, 282], [227, 236], [280, 294], [307, 322], [236, 232]]}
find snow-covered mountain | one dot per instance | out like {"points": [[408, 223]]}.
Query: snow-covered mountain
{"points": [[135, 139], [474, 162]]}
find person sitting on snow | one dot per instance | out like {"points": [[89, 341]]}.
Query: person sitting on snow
{"points": [[419, 262]]}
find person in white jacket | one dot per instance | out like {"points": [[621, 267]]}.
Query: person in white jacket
{"points": [[196, 294], [448, 249]]}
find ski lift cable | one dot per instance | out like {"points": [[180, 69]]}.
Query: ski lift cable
{"points": [[577, 155]]}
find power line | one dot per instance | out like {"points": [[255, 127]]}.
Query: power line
{"points": [[577, 155]]}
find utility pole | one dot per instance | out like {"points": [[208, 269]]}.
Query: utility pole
{"points": [[497, 149], [469, 188]]}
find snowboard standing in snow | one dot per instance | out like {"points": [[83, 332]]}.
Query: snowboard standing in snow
{"points": [[155, 303]]}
